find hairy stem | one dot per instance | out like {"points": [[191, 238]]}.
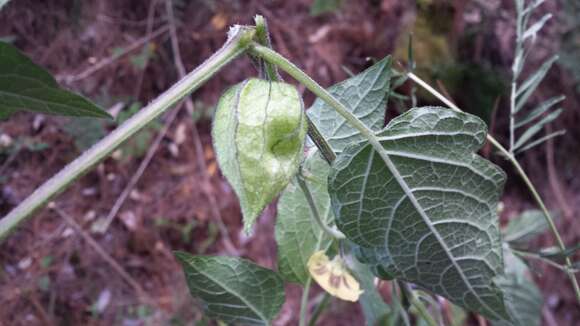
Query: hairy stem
{"points": [[238, 41], [418, 304], [334, 233], [522, 174], [304, 302]]}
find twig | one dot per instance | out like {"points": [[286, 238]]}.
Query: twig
{"points": [[553, 177], [107, 61], [140, 170], [332, 232], [228, 244], [549, 317], [319, 309], [304, 302], [102, 253], [41, 311], [150, 14]]}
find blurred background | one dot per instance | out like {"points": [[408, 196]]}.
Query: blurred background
{"points": [[103, 254]]}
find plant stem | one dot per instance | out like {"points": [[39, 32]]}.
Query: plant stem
{"points": [[320, 142], [532, 255], [270, 71], [522, 174], [418, 304], [319, 309], [283, 63], [334, 233], [512, 115], [304, 302], [238, 40]]}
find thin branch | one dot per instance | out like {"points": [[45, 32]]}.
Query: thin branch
{"points": [[150, 16], [304, 302], [332, 232], [140, 170], [201, 164], [102, 253], [554, 178], [319, 308], [107, 61]]}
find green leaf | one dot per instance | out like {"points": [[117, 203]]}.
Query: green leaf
{"points": [[233, 289], [524, 227], [259, 132], [556, 253], [536, 27], [26, 86], [3, 3], [373, 306], [297, 236], [365, 95], [523, 298], [529, 86], [537, 127], [541, 140], [320, 7], [539, 110], [425, 206]]}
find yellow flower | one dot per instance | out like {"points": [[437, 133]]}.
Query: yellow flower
{"points": [[333, 276]]}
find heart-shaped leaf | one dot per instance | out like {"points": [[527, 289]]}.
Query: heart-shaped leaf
{"points": [[425, 206], [259, 132], [233, 289], [365, 95], [26, 86], [296, 234], [522, 296]]}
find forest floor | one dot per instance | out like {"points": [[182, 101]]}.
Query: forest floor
{"points": [[60, 268]]}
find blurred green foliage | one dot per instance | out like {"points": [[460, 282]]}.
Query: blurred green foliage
{"points": [[570, 48], [320, 7]]}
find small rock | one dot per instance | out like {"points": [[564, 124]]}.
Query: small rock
{"points": [[25, 263]]}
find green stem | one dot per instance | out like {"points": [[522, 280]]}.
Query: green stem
{"points": [[263, 37], [238, 41], [304, 302], [334, 233], [418, 304], [319, 309], [320, 142], [283, 63], [522, 174], [270, 71], [532, 255]]}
